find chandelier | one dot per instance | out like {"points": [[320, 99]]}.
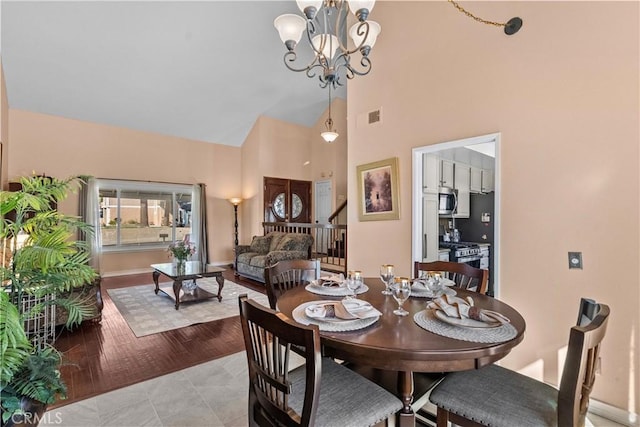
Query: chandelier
{"points": [[325, 25]]}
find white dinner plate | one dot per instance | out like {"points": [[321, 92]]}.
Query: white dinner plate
{"points": [[354, 306], [337, 325], [467, 323]]}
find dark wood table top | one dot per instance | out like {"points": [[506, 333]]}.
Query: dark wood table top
{"points": [[399, 344], [192, 269]]}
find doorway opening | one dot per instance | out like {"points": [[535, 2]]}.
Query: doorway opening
{"points": [[322, 205], [476, 219]]}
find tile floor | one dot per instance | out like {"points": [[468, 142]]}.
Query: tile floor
{"points": [[210, 394], [213, 394]]}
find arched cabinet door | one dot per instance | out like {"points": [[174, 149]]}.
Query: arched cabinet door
{"points": [[287, 200]]}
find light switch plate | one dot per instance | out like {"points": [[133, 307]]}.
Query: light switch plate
{"points": [[575, 260]]}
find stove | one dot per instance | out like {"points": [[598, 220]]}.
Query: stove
{"points": [[462, 251]]}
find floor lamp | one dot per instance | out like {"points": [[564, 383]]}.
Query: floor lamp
{"points": [[235, 202]]}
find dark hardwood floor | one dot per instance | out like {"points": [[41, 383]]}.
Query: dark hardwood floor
{"points": [[101, 357]]}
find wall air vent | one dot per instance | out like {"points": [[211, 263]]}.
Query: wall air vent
{"points": [[374, 116]]}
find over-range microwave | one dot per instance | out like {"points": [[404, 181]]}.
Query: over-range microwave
{"points": [[447, 201]]}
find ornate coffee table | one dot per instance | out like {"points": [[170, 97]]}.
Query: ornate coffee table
{"points": [[192, 270]]}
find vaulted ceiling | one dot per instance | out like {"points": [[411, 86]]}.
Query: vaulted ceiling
{"points": [[203, 70]]}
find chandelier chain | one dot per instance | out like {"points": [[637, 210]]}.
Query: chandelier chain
{"points": [[471, 15]]}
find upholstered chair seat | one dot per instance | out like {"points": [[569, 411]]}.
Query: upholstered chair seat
{"points": [[495, 396], [346, 398]]}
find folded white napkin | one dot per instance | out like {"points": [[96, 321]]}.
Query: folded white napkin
{"points": [[454, 306], [346, 310], [419, 284], [334, 280]]}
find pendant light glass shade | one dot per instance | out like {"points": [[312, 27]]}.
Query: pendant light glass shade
{"points": [[330, 44], [329, 136], [290, 27], [356, 5], [374, 30], [303, 4]]}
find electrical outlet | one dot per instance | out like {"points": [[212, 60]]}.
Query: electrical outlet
{"points": [[575, 260]]}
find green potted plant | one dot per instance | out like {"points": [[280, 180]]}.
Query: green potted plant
{"points": [[44, 263]]}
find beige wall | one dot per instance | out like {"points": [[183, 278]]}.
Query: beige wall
{"points": [[273, 148], [279, 149], [329, 160], [4, 129], [564, 94], [251, 206], [62, 147]]}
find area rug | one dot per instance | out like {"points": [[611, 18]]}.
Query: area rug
{"points": [[147, 313]]}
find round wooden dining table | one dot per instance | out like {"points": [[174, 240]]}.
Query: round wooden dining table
{"points": [[396, 343]]}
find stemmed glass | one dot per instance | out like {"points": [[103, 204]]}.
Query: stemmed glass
{"points": [[387, 275], [401, 290], [354, 281], [434, 284]]}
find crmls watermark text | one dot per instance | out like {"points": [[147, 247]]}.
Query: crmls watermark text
{"points": [[48, 418]]}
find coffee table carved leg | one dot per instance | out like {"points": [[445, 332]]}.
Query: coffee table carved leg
{"points": [[405, 388], [177, 286], [155, 275], [220, 281]]}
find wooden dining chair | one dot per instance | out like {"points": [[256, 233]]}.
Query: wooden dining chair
{"points": [[514, 399], [464, 275], [288, 274], [320, 392]]}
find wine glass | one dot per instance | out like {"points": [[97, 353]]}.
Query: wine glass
{"points": [[353, 283], [401, 290], [387, 275], [435, 284]]}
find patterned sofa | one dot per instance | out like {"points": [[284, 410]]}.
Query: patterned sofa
{"points": [[265, 251]]}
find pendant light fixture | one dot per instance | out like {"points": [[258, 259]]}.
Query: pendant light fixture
{"points": [[330, 134]]}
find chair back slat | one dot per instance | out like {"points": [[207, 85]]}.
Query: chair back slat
{"points": [[581, 364], [289, 274], [268, 338], [464, 275]]}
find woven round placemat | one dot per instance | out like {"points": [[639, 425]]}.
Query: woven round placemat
{"points": [[426, 320], [330, 326]]}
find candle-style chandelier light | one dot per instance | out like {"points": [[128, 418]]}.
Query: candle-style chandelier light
{"points": [[325, 25]]}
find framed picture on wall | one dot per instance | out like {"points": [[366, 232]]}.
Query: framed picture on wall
{"points": [[378, 197]]}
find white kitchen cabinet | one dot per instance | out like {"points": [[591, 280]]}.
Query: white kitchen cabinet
{"points": [[446, 173], [462, 174], [430, 227], [487, 180], [430, 173], [475, 181]]}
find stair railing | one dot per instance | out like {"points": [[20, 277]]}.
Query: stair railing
{"points": [[329, 245]]}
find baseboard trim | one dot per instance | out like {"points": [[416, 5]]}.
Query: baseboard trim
{"points": [[149, 270], [126, 272], [613, 413]]}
